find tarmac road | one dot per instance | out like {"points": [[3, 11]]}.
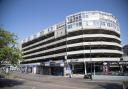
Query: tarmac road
{"points": [[29, 81]]}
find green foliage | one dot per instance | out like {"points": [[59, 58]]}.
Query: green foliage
{"points": [[4, 75], [9, 52]]}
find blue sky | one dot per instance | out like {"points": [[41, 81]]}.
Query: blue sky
{"points": [[26, 17]]}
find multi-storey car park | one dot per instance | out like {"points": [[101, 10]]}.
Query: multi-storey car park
{"points": [[85, 42]]}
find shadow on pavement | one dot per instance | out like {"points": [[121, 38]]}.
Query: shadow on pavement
{"points": [[111, 86], [9, 82]]}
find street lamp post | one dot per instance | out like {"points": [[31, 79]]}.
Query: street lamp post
{"points": [[90, 60], [94, 68]]}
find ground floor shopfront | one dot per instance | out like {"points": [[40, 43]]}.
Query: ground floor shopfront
{"points": [[60, 68], [45, 68]]}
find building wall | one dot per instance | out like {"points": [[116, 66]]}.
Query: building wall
{"points": [[125, 50], [83, 36]]}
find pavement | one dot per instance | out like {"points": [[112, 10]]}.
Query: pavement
{"points": [[31, 81]]}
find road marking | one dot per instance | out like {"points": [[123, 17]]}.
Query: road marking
{"points": [[21, 79], [33, 87]]}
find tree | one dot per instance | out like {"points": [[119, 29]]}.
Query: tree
{"points": [[9, 51]]}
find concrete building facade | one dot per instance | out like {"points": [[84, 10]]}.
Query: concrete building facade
{"points": [[125, 49], [84, 42]]}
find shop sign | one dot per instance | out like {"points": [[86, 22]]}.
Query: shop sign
{"points": [[74, 60], [52, 63], [62, 64], [123, 62], [105, 63], [47, 64]]}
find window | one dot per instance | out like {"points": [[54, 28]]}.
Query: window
{"points": [[109, 24], [69, 19], [102, 23], [83, 15], [86, 16], [96, 23], [93, 13], [74, 18], [114, 26], [86, 22], [61, 32], [51, 28], [77, 25], [48, 29], [77, 18], [80, 23], [70, 26], [41, 33], [34, 36]]}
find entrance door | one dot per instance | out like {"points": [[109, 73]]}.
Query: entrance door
{"points": [[57, 71], [78, 68]]}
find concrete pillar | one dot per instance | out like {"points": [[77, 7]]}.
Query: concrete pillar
{"points": [[121, 68], [94, 68], [34, 70], [85, 69], [49, 71], [72, 69], [65, 71], [26, 69], [41, 70]]}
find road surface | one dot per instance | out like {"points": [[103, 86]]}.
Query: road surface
{"points": [[29, 81]]}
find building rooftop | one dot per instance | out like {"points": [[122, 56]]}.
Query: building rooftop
{"points": [[98, 15]]}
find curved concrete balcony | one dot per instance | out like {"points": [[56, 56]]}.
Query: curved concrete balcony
{"points": [[74, 45], [94, 59], [44, 57], [55, 42], [93, 35], [94, 51], [94, 43], [36, 43]]}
